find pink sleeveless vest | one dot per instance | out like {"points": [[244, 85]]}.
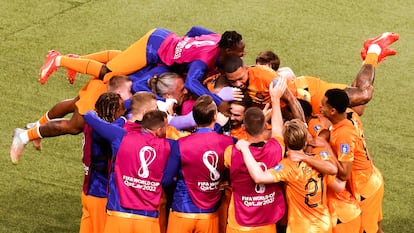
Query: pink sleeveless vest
{"points": [[86, 157], [256, 205], [139, 168], [202, 157]]}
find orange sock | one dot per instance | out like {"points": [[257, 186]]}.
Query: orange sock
{"points": [[83, 66], [372, 58], [44, 119], [103, 56], [33, 133]]}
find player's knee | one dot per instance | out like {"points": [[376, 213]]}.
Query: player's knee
{"points": [[367, 94], [104, 70], [75, 131], [74, 126]]}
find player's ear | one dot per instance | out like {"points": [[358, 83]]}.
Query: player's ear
{"points": [[228, 50]]}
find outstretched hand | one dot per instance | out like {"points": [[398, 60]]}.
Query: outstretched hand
{"points": [[286, 72], [167, 105], [276, 91], [267, 112], [222, 119], [237, 94], [230, 94]]}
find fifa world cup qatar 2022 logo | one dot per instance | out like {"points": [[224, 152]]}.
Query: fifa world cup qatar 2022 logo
{"points": [[210, 160], [147, 155]]}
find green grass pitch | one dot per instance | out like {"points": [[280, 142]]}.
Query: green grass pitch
{"points": [[317, 38]]}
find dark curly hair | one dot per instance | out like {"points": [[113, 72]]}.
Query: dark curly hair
{"points": [[229, 39], [107, 105]]}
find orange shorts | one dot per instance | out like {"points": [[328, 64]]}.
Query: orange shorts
{"points": [[263, 229], [162, 213], [223, 209], [89, 94], [93, 214], [131, 59], [372, 211], [119, 222], [353, 226], [183, 222]]}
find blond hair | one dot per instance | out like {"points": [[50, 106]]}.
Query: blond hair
{"points": [[295, 134]]}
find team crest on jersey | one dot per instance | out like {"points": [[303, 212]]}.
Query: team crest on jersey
{"points": [[317, 128], [344, 148], [324, 154], [278, 167]]}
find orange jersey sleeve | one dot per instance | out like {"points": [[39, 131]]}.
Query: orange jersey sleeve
{"points": [[227, 156], [210, 82], [173, 133], [317, 88], [317, 124], [281, 141], [259, 81], [343, 140], [260, 78]]}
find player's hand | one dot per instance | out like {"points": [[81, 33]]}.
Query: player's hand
{"points": [[230, 94], [317, 142], [242, 144], [295, 156], [286, 72], [237, 94], [276, 91], [267, 112], [167, 106], [222, 119]]}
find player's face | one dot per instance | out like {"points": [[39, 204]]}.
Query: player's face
{"points": [[162, 132], [238, 78], [236, 115], [179, 92], [125, 90], [325, 108], [238, 50], [121, 110]]}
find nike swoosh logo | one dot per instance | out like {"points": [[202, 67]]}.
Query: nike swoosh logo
{"points": [[46, 69]]}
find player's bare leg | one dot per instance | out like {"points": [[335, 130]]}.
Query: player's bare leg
{"points": [[60, 110], [58, 127], [362, 88], [63, 108], [52, 128], [374, 51]]}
